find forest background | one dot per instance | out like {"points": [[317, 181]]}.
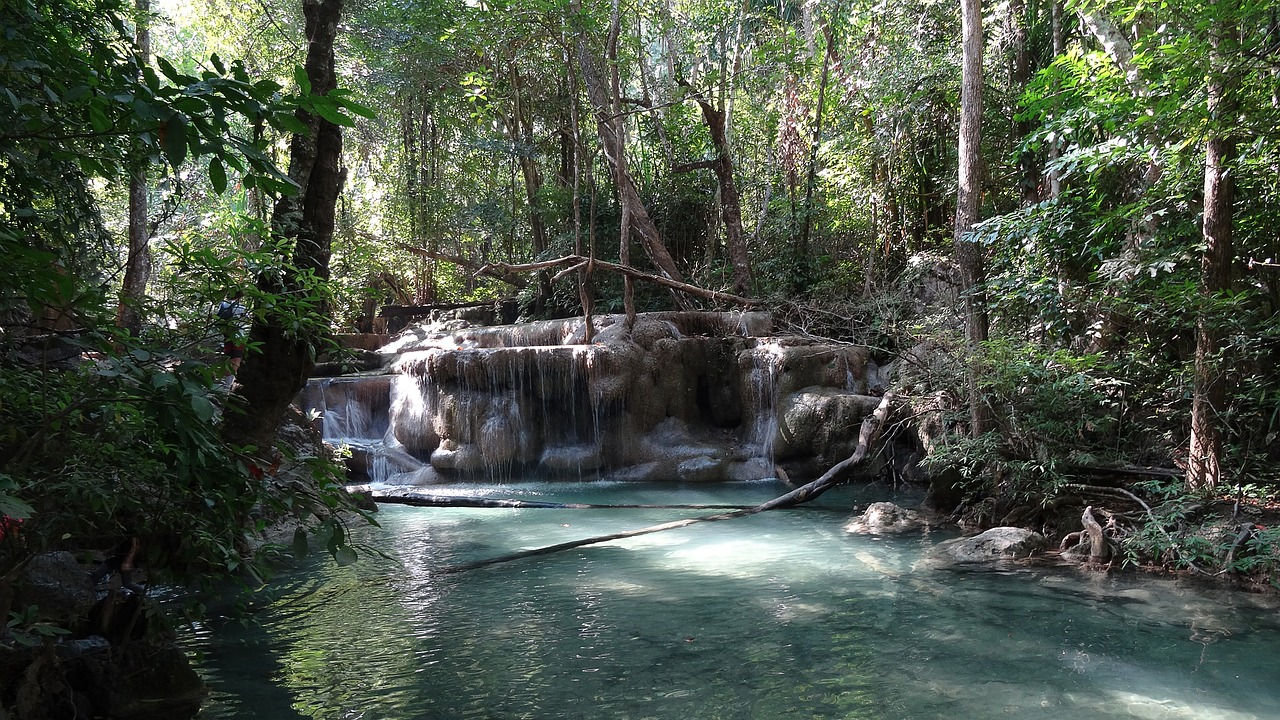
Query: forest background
{"points": [[1098, 180]]}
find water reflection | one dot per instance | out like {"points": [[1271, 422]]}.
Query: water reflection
{"points": [[773, 616]]}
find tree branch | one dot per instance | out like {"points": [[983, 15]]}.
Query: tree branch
{"points": [[475, 267], [573, 260]]}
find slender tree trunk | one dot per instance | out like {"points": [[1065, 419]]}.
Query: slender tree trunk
{"points": [[521, 130], [801, 283], [969, 254], [1209, 398], [618, 122], [614, 145], [137, 269], [270, 379], [1059, 47], [585, 295], [730, 201], [1019, 76]]}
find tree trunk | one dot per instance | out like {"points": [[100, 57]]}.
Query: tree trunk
{"points": [[137, 269], [270, 378], [801, 282], [1209, 397], [969, 254], [521, 131], [586, 296], [1019, 76], [730, 201], [1059, 47], [614, 146]]}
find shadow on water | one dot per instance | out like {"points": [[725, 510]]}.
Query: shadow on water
{"points": [[779, 615]]}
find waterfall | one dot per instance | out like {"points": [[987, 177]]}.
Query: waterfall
{"points": [[689, 397], [762, 381]]}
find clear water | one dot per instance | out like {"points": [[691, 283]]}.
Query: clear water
{"points": [[780, 615]]}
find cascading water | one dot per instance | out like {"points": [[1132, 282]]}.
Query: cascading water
{"points": [[762, 379]]}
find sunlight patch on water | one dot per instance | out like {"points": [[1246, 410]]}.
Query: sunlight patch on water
{"points": [[774, 616]]}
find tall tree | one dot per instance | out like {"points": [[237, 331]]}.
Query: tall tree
{"points": [[969, 254], [613, 142], [272, 377], [137, 269], [1209, 396], [716, 119]]}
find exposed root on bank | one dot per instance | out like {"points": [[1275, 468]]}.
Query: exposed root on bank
{"points": [[868, 440]]}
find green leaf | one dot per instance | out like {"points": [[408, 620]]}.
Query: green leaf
{"points": [[291, 123], [301, 79], [169, 70], [330, 113], [217, 176], [98, 119], [357, 108], [14, 508], [344, 555], [174, 139], [203, 408]]}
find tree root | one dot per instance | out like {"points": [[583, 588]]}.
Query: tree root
{"points": [[1154, 521]]}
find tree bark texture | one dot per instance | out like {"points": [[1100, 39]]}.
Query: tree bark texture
{"points": [[270, 378], [1209, 396], [969, 254]]}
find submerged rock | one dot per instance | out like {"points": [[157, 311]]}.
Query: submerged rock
{"points": [[885, 517]]}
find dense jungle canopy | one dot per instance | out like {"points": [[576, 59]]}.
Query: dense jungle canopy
{"points": [[1099, 181]]}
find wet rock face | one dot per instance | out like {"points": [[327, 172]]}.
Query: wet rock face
{"points": [[696, 397]]}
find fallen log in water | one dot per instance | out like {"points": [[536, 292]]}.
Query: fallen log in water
{"points": [[868, 437], [422, 500]]}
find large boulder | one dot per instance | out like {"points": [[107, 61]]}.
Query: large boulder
{"points": [[821, 423], [57, 585], [884, 518], [1001, 543]]}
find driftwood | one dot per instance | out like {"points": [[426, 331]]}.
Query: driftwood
{"points": [[1127, 471], [1099, 549], [574, 262], [868, 439], [1173, 545]]}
